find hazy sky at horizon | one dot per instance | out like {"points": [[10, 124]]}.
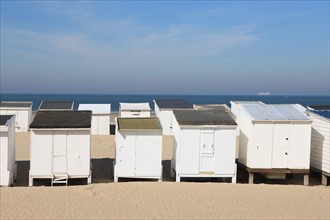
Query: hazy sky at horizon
{"points": [[165, 47]]}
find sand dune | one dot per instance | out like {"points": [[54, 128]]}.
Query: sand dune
{"points": [[152, 200]]}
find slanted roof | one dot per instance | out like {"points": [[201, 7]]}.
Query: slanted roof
{"points": [[220, 107], [96, 108], [56, 105], [203, 117], [322, 113], [62, 119], [279, 112], [7, 104], [173, 104], [319, 107], [138, 124], [4, 119], [142, 106]]}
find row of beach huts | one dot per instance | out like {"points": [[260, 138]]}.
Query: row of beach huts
{"points": [[208, 140]]}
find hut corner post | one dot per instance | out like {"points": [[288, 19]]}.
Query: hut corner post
{"points": [[324, 179], [306, 179]]}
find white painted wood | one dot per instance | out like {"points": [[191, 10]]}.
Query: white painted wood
{"points": [[320, 147], [100, 117], [138, 154], [134, 110], [204, 151], [23, 116], [7, 153], [268, 144], [60, 152]]}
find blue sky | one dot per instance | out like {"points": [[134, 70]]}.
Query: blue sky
{"points": [[165, 47]]}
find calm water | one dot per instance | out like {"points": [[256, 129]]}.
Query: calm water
{"points": [[193, 99]]}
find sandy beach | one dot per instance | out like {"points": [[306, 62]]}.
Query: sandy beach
{"points": [[104, 199]]}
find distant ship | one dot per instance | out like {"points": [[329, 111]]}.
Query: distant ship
{"points": [[264, 93]]}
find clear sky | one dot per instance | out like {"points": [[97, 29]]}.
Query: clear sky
{"points": [[165, 47]]}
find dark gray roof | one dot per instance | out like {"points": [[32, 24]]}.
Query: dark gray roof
{"points": [[15, 104], [138, 124], [56, 105], [203, 117], [62, 119], [173, 104], [320, 107], [4, 119]]}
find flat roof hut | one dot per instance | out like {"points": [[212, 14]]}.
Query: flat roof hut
{"points": [[100, 117], [138, 148], [134, 110], [22, 112], [274, 140], [60, 146], [204, 144]]}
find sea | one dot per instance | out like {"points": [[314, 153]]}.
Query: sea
{"points": [[114, 99]]}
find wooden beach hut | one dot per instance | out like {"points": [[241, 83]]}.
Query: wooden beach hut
{"points": [[56, 105], [60, 146], [138, 148], [320, 147], [100, 117], [134, 110], [204, 144], [274, 140], [164, 112], [8, 167], [22, 112]]}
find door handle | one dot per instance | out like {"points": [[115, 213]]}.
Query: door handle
{"points": [[286, 153]]}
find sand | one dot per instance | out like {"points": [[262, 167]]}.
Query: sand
{"points": [[104, 199]]}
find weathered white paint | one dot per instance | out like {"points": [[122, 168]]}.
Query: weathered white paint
{"points": [[138, 154], [23, 115], [271, 144], [204, 151], [7, 153], [60, 152], [100, 117], [320, 147], [134, 110]]}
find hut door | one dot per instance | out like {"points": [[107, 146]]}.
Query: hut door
{"points": [[126, 155], [207, 152], [280, 146], [59, 152]]}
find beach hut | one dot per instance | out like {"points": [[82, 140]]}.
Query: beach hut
{"points": [[56, 105], [60, 146], [320, 144], [204, 144], [220, 107], [100, 117], [274, 140], [164, 112], [134, 110], [8, 167], [22, 112], [138, 148]]}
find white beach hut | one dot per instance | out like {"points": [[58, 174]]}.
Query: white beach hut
{"points": [[138, 148], [320, 147], [134, 110], [220, 107], [60, 146], [204, 144], [274, 140], [56, 105], [100, 117], [164, 112], [8, 167], [22, 112]]}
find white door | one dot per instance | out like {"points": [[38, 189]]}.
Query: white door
{"points": [[126, 155], [280, 146], [59, 152], [148, 155], [207, 152]]}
